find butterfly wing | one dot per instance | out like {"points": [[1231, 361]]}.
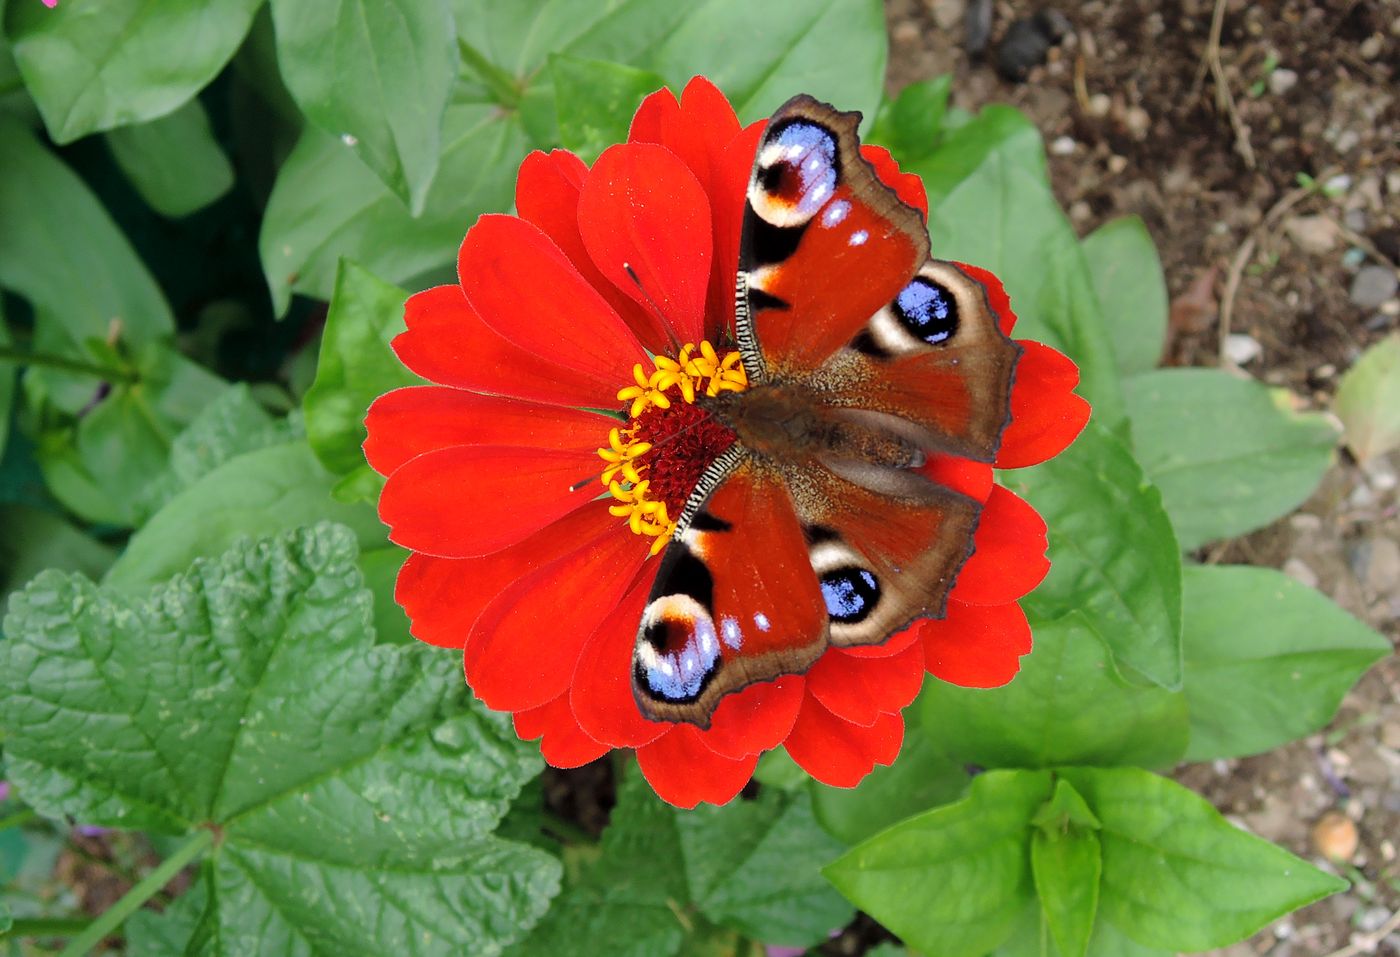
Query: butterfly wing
{"points": [[735, 601]]}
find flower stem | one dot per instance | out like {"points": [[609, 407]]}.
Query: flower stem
{"points": [[108, 373], [17, 819], [111, 919], [44, 927], [504, 87]]}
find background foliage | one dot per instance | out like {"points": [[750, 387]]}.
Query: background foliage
{"points": [[183, 186]]}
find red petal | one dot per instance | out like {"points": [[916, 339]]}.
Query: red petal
{"points": [[408, 422], [525, 646], [1009, 558], [650, 120], [976, 646], [684, 772], [893, 645], [1046, 415], [564, 745], [756, 719], [601, 692], [729, 183], [641, 208], [447, 342], [996, 295], [477, 499], [973, 479], [909, 187], [839, 753], [546, 194], [524, 287], [444, 596], [699, 133], [861, 689]]}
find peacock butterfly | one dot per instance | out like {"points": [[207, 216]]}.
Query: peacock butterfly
{"points": [[864, 356]]}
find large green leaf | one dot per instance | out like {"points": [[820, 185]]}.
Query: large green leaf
{"points": [[376, 74], [594, 101], [990, 204], [911, 124], [35, 539], [833, 49], [174, 162], [1033, 939], [1132, 291], [61, 251], [1067, 706], [751, 866], [95, 66], [1177, 875], [951, 881], [324, 761], [1368, 400], [1112, 552], [355, 367], [7, 384], [1229, 454], [259, 493], [1267, 659], [327, 205]]}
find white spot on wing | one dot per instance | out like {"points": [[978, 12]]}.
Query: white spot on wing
{"points": [[858, 237]]}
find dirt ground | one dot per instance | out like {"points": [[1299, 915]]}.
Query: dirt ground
{"points": [[1267, 207]]}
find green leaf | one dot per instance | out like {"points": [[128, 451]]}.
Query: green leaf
{"points": [[326, 205], [1267, 660], [35, 540], [174, 162], [324, 761], [149, 934], [1033, 939], [1132, 291], [595, 100], [1368, 401], [100, 465], [755, 867], [751, 866], [920, 778], [990, 203], [1065, 862], [911, 124], [1177, 875], [1112, 552], [380, 566], [356, 366], [7, 384], [259, 493], [1067, 706], [833, 49], [376, 74], [94, 67], [1229, 454], [231, 424], [953, 880], [56, 230]]}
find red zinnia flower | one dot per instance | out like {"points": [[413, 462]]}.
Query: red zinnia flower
{"points": [[543, 587]]}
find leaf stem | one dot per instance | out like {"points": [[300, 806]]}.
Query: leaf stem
{"points": [[149, 886], [504, 87], [17, 819], [45, 927], [108, 373]]}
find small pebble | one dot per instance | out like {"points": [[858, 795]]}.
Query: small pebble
{"points": [[1372, 286], [1355, 220], [1138, 122], [1387, 850], [1100, 104], [1347, 141], [1390, 734], [1372, 918], [1299, 571], [1063, 146], [1312, 234], [1371, 46], [1353, 258], [1306, 523], [1242, 349], [1336, 185], [1325, 371], [1281, 81], [948, 13], [1334, 836], [1116, 164]]}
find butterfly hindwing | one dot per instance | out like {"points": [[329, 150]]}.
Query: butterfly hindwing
{"points": [[735, 601]]}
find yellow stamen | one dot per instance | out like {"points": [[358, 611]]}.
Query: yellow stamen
{"points": [[694, 371]]}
